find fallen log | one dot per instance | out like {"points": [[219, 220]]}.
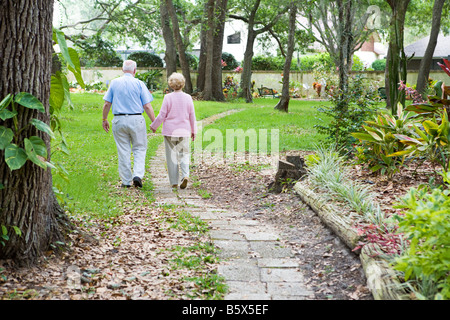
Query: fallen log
{"points": [[328, 214], [381, 278]]}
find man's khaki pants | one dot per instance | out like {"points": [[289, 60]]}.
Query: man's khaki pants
{"points": [[130, 134], [177, 157]]}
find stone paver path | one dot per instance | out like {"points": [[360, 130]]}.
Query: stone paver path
{"points": [[256, 263]]}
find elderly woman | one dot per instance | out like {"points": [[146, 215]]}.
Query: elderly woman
{"points": [[179, 124]]}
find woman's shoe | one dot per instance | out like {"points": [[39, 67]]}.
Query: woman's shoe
{"points": [[184, 183]]}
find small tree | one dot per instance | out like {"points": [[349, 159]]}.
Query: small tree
{"points": [[283, 104], [396, 58]]}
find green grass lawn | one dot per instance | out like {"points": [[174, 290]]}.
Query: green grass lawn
{"points": [[295, 128], [92, 163]]}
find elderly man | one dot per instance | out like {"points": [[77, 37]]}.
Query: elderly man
{"points": [[129, 98]]}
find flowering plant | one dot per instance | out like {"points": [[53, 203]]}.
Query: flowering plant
{"points": [[445, 66], [238, 69], [415, 96]]}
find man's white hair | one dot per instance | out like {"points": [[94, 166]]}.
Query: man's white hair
{"points": [[129, 65]]}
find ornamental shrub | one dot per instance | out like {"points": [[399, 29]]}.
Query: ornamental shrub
{"points": [[264, 63], [309, 62], [192, 60], [426, 225], [230, 60], [146, 59], [379, 65]]}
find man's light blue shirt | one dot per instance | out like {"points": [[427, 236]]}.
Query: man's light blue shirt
{"points": [[127, 95]]}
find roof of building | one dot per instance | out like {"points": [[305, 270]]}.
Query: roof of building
{"points": [[418, 48]]}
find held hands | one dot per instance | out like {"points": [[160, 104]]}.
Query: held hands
{"points": [[193, 136]]}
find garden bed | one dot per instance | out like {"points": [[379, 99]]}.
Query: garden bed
{"points": [[381, 279], [371, 248]]}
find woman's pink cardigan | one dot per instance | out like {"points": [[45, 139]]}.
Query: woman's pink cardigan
{"points": [[177, 115]]}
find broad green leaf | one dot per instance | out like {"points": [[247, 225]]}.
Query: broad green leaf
{"points": [[363, 136], [28, 100], [430, 127], [4, 230], [402, 138], [421, 133], [43, 127], [66, 87], [39, 146], [77, 69], [6, 101], [75, 59], [375, 136], [15, 157], [61, 40], [64, 146], [17, 230], [7, 114], [32, 154], [78, 77], [56, 92], [6, 136], [401, 153]]}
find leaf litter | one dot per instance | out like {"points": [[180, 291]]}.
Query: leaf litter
{"points": [[129, 257]]}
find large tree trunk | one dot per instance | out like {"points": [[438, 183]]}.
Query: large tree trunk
{"points": [[185, 68], [396, 59], [170, 56], [202, 59], [27, 200], [425, 63], [221, 9], [246, 77], [283, 104], [209, 80], [345, 50], [207, 91]]}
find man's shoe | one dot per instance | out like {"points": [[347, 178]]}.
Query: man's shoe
{"points": [[184, 183], [137, 182], [125, 185]]}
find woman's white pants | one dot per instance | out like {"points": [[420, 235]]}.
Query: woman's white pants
{"points": [[177, 157]]}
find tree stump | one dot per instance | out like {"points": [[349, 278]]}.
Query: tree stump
{"points": [[289, 172]]}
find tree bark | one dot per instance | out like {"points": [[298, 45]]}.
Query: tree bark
{"points": [[207, 91], [246, 77], [425, 64], [202, 60], [283, 104], [170, 56], [27, 200], [396, 59], [209, 80], [217, 92], [185, 69]]}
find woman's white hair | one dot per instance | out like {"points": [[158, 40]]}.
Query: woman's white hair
{"points": [[129, 65]]}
